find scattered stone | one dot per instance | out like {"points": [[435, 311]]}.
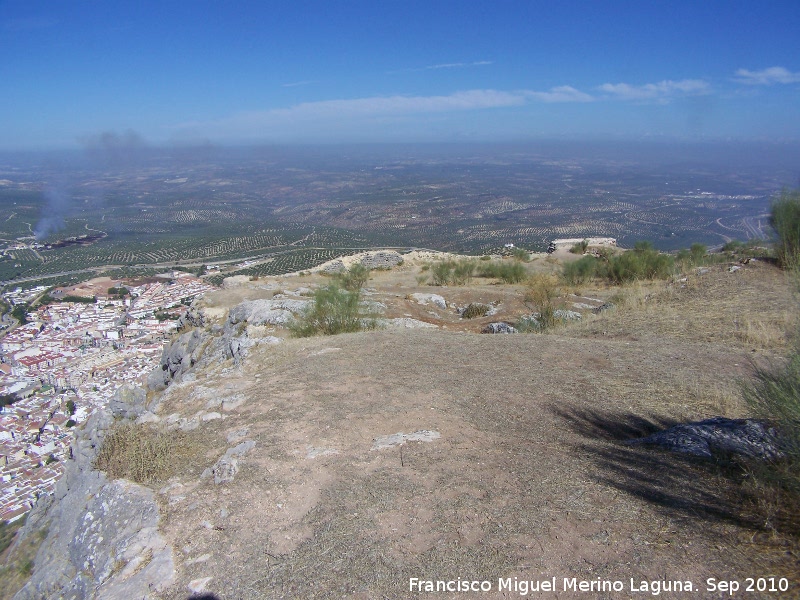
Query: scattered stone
{"points": [[232, 403], [200, 559], [719, 437], [225, 469], [605, 306], [407, 323], [426, 299], [312, 452], [566, 315], [199, 585], [500, 327], [238, 435], [147, 417], [398, 439], [383, 259], [734, 268], [210, 416]]}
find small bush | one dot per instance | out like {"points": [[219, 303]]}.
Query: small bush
{"points": [[775, 397], [332, 311], [507, 272], [354, 278], [580, 271], [450, 272], [580, 247], [643, 262], [785, 220], [463, 271], [528, 324], [540, 296], [520, 254], [475, 310]]}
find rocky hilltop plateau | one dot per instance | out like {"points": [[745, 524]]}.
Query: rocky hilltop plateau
{"points": [[346, 466]]}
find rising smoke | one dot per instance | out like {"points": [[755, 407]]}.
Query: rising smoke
{"points": [[106, 150]]}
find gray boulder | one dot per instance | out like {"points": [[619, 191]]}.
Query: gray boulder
{"points": [[718, 437], [500, 327], [129, 402], [178, 358], [265, 312], [425, 299]]}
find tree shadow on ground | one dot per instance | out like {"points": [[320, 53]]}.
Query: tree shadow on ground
{"points": [[681, 486]]}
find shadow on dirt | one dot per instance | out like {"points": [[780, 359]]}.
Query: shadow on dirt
{"points": [[682, 486]]}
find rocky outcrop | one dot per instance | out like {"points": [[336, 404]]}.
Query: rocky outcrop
{"points": [[498, 328], [178, 358], [720, 438], [425, 299], [383, 259], [102, 537], [193, 317], [266, 312], [227, 466], [129, 402]]}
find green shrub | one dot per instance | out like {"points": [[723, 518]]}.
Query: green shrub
{"points": [[520, 254], [580, 271], [450, 272], [775, 397], [785, 220], [332, 311], [643, 262], [508, 272], [354, 278], [463, 271], [528, 324], [540, 296], [580, 247], [442, 272], [475, 310]]}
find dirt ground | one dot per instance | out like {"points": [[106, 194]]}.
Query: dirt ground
{"points": [[529, 479]]}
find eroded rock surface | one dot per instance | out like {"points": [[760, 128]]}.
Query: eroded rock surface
{"points": [[719, 437], [102, 536]]}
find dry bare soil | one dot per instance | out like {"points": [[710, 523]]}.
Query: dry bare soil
{"points": [[530, 477]]}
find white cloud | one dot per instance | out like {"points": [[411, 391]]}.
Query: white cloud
{"points": [[459, 65], [392, 105], [563, 93], [297, 83], [656, 91], [767, 76]]}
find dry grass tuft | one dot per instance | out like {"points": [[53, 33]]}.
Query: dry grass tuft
{"points": [[144, 454]]}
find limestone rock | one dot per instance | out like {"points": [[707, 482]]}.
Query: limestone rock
{"points": [[266, 312], [102, 537], [129, 402], [426, 299], [225, 469], [178, 358], [398, 439], [500, 327], [383, 259], [719, 437]]}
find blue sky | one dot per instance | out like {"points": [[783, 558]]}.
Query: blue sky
{"points": [[383, 71]]}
